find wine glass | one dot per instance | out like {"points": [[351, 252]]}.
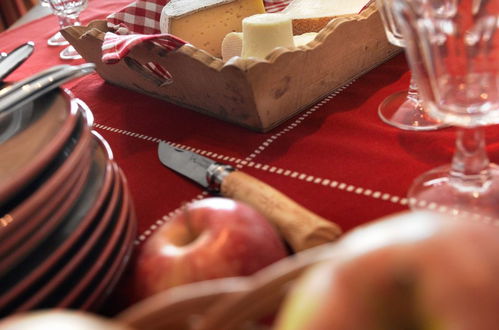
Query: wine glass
{"points": [[458, 43], [68, 11], [57, 39], [403, 109]]}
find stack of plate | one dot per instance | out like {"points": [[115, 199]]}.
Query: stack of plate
{"points": [[67, 222]]}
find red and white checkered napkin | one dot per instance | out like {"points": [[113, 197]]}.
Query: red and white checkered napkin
{"points": [[274, 6], [115, 46], [139, 22]]}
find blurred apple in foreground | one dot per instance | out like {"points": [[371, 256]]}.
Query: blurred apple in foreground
{"points": [[411, 271], [211, 238], [59, 319]]}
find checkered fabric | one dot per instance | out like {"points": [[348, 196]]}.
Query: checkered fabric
{"points": [[273, 6], [140, 17], [143, 16], [115, 46], [139, 22]]}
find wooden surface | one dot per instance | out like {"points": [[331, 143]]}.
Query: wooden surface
{"points": [[255, 94]]}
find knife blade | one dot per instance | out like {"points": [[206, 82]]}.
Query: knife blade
{"points": [[301, 228], [15, 58], [14, 96]]}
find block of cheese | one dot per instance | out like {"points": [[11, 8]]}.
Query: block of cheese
{"points": [[232, 44], [313, 15], [264, 32], [204, 23]]}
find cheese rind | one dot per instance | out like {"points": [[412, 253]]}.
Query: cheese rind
{"points": [[313, 15], [265, 32], [232, 45], [204, 23], [179, 8], [323, 8]]}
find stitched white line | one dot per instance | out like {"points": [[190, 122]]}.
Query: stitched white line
{"points": [[263, 167], [124, 132], [296, 123], [329, 183], [375, 194], [248, 162], [454, 212], [280, 171], [157, 140]]}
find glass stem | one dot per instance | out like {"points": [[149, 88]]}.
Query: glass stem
{"points": [[413, 94], [65, 21], [470, 164]]}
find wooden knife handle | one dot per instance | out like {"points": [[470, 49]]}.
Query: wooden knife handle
{"points": [[301, 228]]}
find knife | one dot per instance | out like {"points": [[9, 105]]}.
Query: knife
{"points": [[14, 96], [15, 58], [301, 228]]}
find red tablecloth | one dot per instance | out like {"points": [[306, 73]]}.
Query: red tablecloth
{"points": [[338, 158]]}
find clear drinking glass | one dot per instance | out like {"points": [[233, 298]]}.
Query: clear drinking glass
{"points": [[457, 41], [68, 11], [403, 109], [57, 39]]}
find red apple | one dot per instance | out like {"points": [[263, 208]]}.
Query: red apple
{"points": [[412, 271], [211, 238]]}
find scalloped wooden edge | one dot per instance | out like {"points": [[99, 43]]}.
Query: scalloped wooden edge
{"points": [[257, 94], [318, 40], [247, 63]]}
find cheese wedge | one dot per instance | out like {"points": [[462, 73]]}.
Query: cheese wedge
{"points": [[204, 23], [263, 33], [313, 15]]}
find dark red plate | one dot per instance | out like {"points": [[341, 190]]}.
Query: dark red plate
{"points": [[89, 211], [27, 219], [100, 261], [104, 284], [48, 181], [91, 226], [71, 287], [31, 138]]}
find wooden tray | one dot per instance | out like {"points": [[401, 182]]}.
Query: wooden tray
{"points": [[255, 94]]}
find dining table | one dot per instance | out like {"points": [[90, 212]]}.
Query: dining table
{"points": [[336, 158]]}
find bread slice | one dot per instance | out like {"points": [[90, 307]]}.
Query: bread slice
{"points": [[313, 15]]}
